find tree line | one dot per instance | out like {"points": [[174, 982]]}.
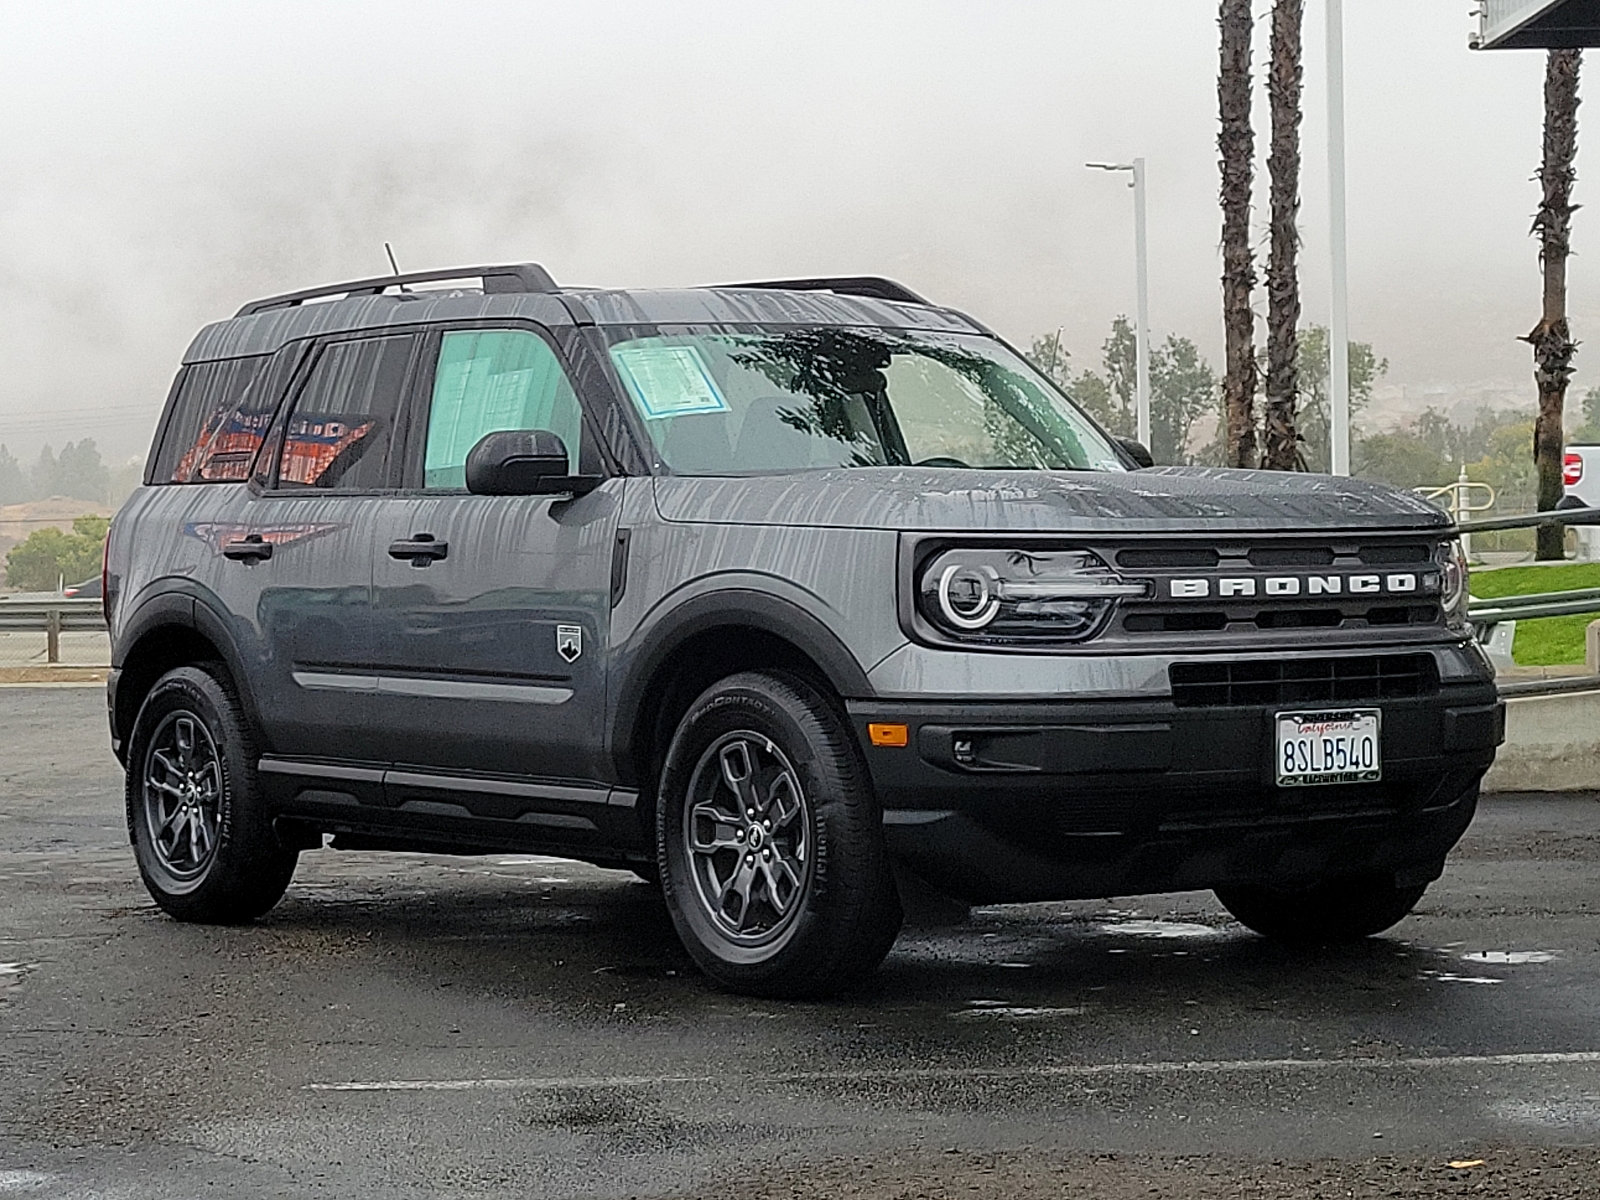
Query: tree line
{"points": [[76, 471], [1188, 415]]}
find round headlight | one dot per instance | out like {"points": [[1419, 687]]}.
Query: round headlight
{"points": [[969, 596], [1015, 595]]}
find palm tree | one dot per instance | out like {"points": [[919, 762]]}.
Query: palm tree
{"points": [[1281, 448], [1236, 146], [1551, 339]]}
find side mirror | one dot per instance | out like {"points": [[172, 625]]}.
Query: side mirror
{"points": [[523, 462], [1137, 451]]}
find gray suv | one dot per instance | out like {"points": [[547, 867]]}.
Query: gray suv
{"points": [[797, 598]]}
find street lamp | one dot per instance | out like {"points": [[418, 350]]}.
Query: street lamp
{"points": [[1142, 265], [1338, 317]]}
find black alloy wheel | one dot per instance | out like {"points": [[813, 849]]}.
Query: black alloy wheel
{"points": [[182, 795], [201, 833], [770, 841]]}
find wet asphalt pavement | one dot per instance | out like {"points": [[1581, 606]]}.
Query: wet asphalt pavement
{"points": [[512, 1026]]}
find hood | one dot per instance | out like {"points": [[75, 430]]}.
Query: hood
{"points": [[1156, 500]]}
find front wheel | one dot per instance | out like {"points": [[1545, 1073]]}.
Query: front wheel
{"points": [[201, 834], [770, 842], [1340, 910]]}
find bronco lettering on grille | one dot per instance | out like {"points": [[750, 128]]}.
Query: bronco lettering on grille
{"points": [[1287, 586]]}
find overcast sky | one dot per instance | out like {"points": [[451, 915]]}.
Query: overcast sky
{"points": [[164, 162]]}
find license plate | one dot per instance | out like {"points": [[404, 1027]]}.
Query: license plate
{"points": [[1328, 747]]}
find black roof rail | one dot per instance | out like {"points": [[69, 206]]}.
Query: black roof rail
{"points": [[516, 277], [872, 286]]}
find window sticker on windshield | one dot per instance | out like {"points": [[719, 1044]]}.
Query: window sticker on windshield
{"points": [[667, 381]]}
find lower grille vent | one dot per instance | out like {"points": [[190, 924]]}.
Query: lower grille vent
{"points": [[1303, 681]]}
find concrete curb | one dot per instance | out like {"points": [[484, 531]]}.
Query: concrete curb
{"points": [[1552, 745], [34, 675]]}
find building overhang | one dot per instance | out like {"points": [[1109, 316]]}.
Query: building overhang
{"points": [[1537, 24]]}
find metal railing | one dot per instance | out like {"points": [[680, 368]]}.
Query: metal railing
{"points": [[1494, 621], [52, 618], [1556, 516], [1460, 504], [1534, 606]]}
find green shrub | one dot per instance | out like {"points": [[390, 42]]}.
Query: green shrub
{"points": [[49, 556]]}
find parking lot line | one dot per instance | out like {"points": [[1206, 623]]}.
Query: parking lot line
{"points": [[1236, 1066]]}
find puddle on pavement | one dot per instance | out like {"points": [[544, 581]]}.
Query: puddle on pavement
{"points": [[1510, 958], [1498, 958], [1002, 1011], [1163, 930], [1451, 977]]}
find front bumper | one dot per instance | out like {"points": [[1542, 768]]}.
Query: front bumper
{"points": [[1013, 801]]}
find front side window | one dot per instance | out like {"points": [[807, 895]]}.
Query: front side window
{"points": [[719, 400], [340, 430], [489, 380]]}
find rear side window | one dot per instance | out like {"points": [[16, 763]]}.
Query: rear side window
{"points": [[342, 425], [203, 398], [489, 380]]}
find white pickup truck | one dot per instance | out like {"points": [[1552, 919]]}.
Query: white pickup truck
{"points": [[1580, 473]]}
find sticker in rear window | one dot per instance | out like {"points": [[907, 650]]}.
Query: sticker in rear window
{"points": [[667, 381]]}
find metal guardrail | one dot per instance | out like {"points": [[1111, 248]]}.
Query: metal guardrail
{"points": [[1535, 605], [1555, 516], [52, 618], [1505, 611]]}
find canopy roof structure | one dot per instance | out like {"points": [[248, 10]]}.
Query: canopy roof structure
{"points": [[1537, 24]]}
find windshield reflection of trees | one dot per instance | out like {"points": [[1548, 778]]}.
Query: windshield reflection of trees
{"points": [[838, 368]]}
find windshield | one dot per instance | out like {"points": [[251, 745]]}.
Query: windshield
{"points": [[719, 400]]}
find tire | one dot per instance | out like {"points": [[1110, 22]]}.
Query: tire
{"points": [[818, 910], [201, 834], [1340, 910]]}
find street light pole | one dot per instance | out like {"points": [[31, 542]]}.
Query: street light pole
{"points": [[1339, 316], [1142, 260], [1142, 268]]}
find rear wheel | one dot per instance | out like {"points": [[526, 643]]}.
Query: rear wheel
{"points": [[770, 842], [201, 834], [1340, 910]]}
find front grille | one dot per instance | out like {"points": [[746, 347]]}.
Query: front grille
{"points": [[1237, 579], [1342, 680], [1219, 620]]}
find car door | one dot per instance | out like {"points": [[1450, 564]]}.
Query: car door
{"points": [[491, 613], [298, 551]]}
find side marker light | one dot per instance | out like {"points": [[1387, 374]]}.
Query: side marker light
{"points": [[888, 735]]}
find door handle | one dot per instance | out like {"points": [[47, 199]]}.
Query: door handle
{"points": [[420, 548], [249, 548]]}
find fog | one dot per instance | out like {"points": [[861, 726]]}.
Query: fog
{"points": [[164, 162]]}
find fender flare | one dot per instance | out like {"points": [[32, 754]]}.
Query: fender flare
{"points": [[181, 609], [654, 643]]}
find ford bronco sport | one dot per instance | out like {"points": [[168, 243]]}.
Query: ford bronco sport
{"points": [[790, 596]]}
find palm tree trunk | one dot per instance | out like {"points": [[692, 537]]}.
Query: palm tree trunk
{"points": [[1236, 146], [1281, 448], [1553, 347]]}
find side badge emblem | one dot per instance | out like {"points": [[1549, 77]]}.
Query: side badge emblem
{"points": [[569, 641]]}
